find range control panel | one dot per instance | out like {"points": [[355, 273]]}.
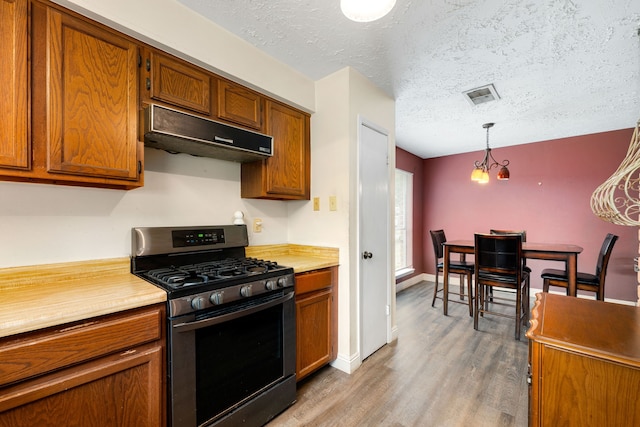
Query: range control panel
{"points": [[189, 238]]}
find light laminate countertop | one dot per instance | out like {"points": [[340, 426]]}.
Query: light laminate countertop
{"points": [[302, 258], [40, 296]]}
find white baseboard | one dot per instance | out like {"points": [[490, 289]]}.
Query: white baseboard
{"points": [[347, 364], [413, 281], [455, 280], [394, 334]]}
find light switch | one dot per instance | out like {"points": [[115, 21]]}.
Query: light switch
{"points": [[333, 205], [316, 203], [257, 225]]}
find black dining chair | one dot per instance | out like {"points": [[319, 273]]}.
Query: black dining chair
{"points": [[523, 233], [584, 281], [460, 267], [498, 264]]}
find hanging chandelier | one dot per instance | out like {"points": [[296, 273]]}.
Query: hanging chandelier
{"points": [[480, 173], [366, 10], [617, 200]]}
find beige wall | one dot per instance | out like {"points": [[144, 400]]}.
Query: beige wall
{"points": [[341, 99]]}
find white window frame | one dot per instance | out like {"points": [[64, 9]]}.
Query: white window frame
{"points": [[404, 204]]}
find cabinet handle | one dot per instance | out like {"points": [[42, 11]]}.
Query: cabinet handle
{"points": [[139, 167], [148, 83], [148, 64]]}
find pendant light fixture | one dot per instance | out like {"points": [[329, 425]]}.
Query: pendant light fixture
{"points": [[617, 200], [481, 170], [366, 10]]}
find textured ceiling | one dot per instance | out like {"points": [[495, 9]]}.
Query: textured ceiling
{"points": [[561, 67]]}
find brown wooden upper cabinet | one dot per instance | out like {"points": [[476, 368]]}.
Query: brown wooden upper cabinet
{"points": [[240, 105], [87, 84], [175, 82], [14, 144], [285, 175], [83, 128]]}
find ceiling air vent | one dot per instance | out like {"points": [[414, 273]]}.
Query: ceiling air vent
{"points": [[482, 94]]}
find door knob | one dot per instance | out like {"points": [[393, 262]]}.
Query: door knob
{"points": [[367, 255]]}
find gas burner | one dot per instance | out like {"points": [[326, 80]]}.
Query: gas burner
{"points": [[216, 271]]}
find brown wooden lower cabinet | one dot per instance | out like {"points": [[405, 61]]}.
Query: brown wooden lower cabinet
{"points": [[316, 319], [105, 371], [585, 363]]}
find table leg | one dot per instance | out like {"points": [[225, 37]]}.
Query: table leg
{"points": [[572, 272], [445, 279]]}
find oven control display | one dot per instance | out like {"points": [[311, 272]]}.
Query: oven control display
{"points": [[188, 238]]}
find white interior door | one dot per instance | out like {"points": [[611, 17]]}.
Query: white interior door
{"points": [[374, 238]]}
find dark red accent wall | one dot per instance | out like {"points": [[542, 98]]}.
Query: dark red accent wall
{"points": [[414, 164], [548, 195]]}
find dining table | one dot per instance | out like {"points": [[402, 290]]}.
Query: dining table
{"points": [[546, 251]]}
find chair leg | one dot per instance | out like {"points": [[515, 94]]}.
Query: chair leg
{"points": [[545, 285], [527, 300], [518, 310], [435, 290], [461, 287], [469, 292], [477, 302]]}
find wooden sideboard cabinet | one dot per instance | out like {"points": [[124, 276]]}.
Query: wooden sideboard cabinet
{"points": [[316, 319], [585, 363], [285, 175], [106, 371]]}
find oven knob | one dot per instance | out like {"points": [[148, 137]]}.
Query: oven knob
{"points": [[281, 282], [197, 303], [271, 285], [245, 291], [216, 298]]}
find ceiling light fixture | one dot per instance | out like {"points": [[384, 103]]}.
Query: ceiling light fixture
{"points": [[366, 10], [481, 171], [617, 200]]}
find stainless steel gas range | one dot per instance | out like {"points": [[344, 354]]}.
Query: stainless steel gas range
{"points": [[231, 324]]}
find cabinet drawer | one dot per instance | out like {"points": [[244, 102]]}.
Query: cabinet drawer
{"points": [[313, 281], [36, 353]]}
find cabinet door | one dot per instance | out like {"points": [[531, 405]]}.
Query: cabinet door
{"points": [[14, 145], [177, 83], [286, 174], [84, 106], [239, 105], [314, 328], [126, 389]]}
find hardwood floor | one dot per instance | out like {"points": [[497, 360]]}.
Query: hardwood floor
{"points": [[440, 372]]}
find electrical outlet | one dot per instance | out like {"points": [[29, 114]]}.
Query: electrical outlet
{"points": [[333, 204], [316, 203], [257, 225]]}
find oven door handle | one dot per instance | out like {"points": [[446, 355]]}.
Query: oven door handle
{"points": [[188, 326]]}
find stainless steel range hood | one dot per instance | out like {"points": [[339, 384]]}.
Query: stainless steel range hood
{"points": [[178, 132]]}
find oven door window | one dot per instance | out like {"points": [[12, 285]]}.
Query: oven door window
{"points": [[236, 359]]}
